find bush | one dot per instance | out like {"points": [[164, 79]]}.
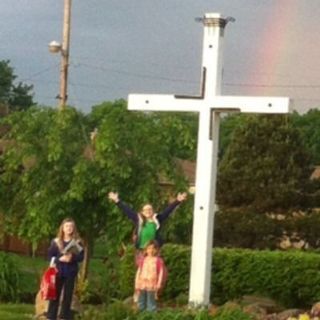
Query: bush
{"points": [[103, 281], [9, 279], [291, 278], [232, 314]]}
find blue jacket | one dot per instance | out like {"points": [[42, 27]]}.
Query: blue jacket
{"points": [[158, 219], [65, 269]]}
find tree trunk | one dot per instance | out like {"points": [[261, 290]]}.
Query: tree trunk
{"points": [[88, 246]]}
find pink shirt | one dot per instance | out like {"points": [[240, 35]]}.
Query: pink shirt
{"points": [[148, 277]]}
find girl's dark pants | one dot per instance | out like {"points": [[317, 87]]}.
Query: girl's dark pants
{"points": [[67, 284]]}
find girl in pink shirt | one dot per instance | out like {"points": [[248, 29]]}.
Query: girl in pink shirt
{"points": [[149, 277]]}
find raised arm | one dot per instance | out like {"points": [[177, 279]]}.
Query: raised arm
{"points": [[182, 196], [130, 213]]}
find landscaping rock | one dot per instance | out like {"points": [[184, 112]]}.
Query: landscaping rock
{"points": [[268, 304], [256, 311], [315, 310], [284, 315]]}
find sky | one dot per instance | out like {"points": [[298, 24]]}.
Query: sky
{"points": [[120, 47]]}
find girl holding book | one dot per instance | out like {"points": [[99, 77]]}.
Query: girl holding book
{"points": [[67, 253]]}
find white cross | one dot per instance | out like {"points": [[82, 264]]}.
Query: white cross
{"points": [[209, 104]]}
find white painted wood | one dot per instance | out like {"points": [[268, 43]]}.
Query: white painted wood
{"points": [[209, 104]]}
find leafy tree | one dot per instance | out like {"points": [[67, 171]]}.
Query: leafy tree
{"points": [[227, 126], [52, 170], [16, 97], [309, 126], [266, 166], [179, 131]]}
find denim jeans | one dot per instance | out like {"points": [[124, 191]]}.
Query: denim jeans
{"points": [[147, 300]]}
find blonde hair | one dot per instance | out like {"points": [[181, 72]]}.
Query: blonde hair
{"points": [[60, 234]]}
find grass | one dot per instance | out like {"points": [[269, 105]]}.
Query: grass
{"points": [[32, 269], [16, 311]]}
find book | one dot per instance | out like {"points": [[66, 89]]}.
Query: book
{"points": [[73, 247]]}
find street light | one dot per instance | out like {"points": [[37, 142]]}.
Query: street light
{"points": [[56, 47]]}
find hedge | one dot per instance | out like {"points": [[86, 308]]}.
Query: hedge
{"points": [[292, 278]]}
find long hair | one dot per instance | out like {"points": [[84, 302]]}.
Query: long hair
{"points": [[144, 219], [60, 234], [155, 245]]}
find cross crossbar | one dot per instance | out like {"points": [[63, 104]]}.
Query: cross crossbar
{"points": [[157, 102]]}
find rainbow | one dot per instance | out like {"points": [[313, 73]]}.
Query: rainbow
{"points": [[272, 53]]}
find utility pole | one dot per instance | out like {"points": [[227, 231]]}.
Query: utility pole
{"points": [[64, 49], [65, 54]]}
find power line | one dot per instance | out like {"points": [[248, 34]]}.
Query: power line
{"points": [[38, 73], [305, 86]]}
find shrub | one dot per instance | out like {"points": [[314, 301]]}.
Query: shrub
{"points": [[9, 278], [127, 271], [103, 281], [291, 278], [232, 314]]}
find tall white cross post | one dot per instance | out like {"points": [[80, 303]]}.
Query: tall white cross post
{"points": [[209, 104]]}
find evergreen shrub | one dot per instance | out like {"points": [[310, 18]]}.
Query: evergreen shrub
{"points": [[249, 229], [291, 278]]}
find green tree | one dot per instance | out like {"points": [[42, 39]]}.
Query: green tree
{"points": [[52, 170], [266, 166], [16, 97], [227, 126], [179, 131], [309, 126]]}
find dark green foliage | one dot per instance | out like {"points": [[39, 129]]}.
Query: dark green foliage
{"points": [[53, 170], [127, 271], [15, 97], [121, 311], [291, 278], [9, 279], [227, 126], [232, 314], [308, 125], [114, 311], [179, 131], [178, 228], [178, 260], [266, 166], [246, 229]]}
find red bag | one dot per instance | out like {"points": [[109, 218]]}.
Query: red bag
{"points": [[48, 288]]}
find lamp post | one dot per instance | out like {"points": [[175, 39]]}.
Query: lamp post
{"points": [[55, 47]]}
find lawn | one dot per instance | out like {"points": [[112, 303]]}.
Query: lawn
{"points": [[33, 268], [16, 311]]}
